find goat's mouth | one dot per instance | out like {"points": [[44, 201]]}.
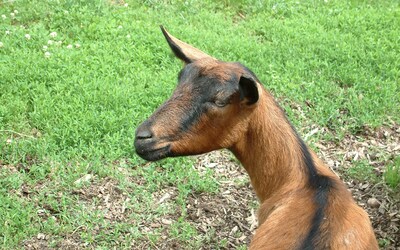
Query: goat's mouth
{"points": [[151, 152]]}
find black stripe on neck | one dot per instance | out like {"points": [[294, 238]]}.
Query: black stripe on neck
{"points": [[321, 185]]}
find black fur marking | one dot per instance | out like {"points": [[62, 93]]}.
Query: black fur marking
{"points": [[248, 71], [322, 186], [188, 74], [203, 92], [191, 117], [248, 89]]}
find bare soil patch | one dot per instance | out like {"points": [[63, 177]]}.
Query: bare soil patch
{"points": [[227, 220]]}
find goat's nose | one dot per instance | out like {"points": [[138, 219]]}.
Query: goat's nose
{"points": [[144, 134]]}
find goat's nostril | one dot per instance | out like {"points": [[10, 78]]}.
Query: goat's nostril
{"points": [[144, 134]]}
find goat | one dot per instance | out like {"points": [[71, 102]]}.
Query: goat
{"points": [[303, 204]]}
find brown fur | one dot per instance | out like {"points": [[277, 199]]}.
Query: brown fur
{"points": [[263, 140]]}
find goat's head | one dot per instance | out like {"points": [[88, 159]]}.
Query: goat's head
{"points": [[208, 110]]}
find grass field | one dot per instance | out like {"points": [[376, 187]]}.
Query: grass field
{"points": [[77, 77]]}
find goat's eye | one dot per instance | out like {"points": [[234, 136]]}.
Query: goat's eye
{"points": [[220, 103]]}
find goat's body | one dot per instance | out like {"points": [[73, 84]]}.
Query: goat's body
{"points": [[271, 154], [218, 105], [286, 224]]}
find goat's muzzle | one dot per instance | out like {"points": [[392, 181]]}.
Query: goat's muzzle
{"points": [[148, 147]]}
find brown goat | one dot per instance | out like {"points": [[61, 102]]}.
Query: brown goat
{"points": [[218, 105]]}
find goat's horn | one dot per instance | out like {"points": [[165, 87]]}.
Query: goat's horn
{"points": [[182, 50]]}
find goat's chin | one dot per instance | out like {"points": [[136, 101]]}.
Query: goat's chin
{"points": [[154, 154]]}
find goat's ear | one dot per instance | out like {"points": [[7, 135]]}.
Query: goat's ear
{"points": [[248, 90], [182, 50]]}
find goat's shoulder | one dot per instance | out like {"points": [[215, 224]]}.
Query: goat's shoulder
{"points": [[289, 215]]}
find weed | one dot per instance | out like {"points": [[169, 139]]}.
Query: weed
{"points": [[363, 171], [392, 174]]}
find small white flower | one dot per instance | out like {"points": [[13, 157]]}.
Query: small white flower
{"points": [[4, 17], [12, 15], [128, 36], [45, 47], [27, 36], [47, 54], [126, 5], [69, 46], [58, 43], [77, 45], [8, 32], [120, 27], [16, 11], [50, 42], [1, 44], [66, 12], [53, 34]]}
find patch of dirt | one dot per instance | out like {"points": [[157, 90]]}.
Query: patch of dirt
{"points": [[227, 220], [378, 148], [232, 212], [41, 241], [109, 199]]}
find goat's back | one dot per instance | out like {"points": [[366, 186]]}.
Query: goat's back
{"points": [[286, 221]]}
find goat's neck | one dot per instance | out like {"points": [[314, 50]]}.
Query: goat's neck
{"points": [[270, 151]]}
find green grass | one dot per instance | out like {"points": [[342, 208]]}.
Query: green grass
{"points": [[392, 174], [75, 111], [363, 171]]}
